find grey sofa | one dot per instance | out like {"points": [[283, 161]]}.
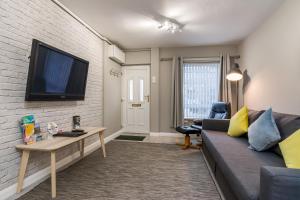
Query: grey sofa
{"points": [[244, 174]]}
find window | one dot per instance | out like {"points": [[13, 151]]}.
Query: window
{"points": [[141, 90], [200, 88], [130, 90]]}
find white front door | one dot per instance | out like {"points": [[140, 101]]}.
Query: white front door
{"points": [[136, 99]]}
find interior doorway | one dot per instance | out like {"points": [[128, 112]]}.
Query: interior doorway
{"points": [[136, 99]]}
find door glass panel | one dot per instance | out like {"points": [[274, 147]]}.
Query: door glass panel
{"points": [[141, 90], [130, 90]]}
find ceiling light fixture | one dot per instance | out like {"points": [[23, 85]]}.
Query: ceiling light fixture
{"points": [[171, 26]]}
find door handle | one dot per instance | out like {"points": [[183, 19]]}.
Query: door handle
{"points": [[148, 98]]}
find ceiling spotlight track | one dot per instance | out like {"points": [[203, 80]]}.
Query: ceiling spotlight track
{"points": [[170, 25]]}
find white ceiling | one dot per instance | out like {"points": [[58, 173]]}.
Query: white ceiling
{"points": [[132, 24]]}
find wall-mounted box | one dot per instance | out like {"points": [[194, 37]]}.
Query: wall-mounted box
{"points": [[116, 54]]}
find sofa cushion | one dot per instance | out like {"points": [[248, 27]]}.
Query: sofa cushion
{"points": [[290, 148], [287, 125], [240, 165], [253, 115], [239, 123], [263, 133]]}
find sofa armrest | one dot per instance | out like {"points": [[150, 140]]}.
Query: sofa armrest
{"points": [[215, 124], [279, 183]]}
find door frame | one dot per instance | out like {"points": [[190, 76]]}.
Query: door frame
{"points": [[124, 94]]}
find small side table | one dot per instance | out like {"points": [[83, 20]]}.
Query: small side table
{"points": [[52, 145]]}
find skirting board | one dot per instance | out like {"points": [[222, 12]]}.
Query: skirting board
{"points": [[40, 176], [165, 134]]}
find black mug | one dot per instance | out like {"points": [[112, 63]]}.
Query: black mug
{"points": [[76, 122]]}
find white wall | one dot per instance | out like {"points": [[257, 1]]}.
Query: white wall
{"points": [[111, 95], [272, 57], [138, 57], [20, 22]]}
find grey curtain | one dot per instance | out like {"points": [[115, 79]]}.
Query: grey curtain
{"points": [[177, 97], [225, 85]]}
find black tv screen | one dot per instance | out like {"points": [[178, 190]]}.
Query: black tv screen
{"points": [[55, 74]]}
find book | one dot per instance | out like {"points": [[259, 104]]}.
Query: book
{"points": [[27, 125]]}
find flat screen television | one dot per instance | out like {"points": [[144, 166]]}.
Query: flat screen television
{"points": [[55, 75]]}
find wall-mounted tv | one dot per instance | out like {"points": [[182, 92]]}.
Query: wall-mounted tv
{"points": [[55, 75]]}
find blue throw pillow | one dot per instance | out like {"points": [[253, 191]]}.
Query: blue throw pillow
{"points": [[263, 133]]}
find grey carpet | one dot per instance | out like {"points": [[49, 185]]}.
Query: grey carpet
{"points": [[135, 171]]}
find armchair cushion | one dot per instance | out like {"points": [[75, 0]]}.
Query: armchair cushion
{"points": [[187, 130], [220, 116]]}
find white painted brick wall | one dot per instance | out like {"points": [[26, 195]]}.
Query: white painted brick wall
{"points": [[20, 22]]}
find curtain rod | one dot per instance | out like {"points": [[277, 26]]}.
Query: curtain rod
{"points": [[203, 59], [198, 58], [191, 58], [59, 4], [236, 57]]}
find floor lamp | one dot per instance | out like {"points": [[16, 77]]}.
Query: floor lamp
{"points": [[235, 75]]}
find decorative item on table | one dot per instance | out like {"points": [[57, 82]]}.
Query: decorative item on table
{"points": [[37, 127], [52, 129], [37, 132], [27, 125], [76, 122]]}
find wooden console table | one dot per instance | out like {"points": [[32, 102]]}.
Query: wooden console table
{"points": [[52, 145]]}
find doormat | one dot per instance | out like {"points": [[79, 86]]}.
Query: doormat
{"points": [[130, 137]]}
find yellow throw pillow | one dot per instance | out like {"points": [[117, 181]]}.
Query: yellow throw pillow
{"points": [[290, 149], [239, 123]]}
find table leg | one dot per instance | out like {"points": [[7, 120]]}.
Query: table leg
{"points": [[187, 142], [82, 148], [23, 166], [101, 135], [53, 174]]}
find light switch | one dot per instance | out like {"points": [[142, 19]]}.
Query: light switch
{"points": [[153, 79]]}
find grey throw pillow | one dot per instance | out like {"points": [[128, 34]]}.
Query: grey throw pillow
{"points": [[263, 133]]}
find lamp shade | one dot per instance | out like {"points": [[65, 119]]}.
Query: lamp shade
{"points": [[234, 74]]}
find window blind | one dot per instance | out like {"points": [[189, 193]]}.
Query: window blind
{"points": [[200, 88]]}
